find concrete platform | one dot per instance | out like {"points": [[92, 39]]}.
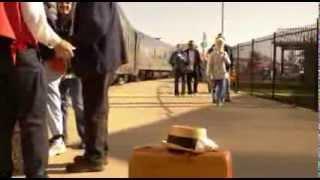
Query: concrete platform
{"points": [[267, 138]]}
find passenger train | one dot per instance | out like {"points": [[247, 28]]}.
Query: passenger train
{"points": [[148, 57]]}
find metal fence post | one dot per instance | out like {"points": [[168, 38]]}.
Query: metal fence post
{"points": [[282, 61], [238, 68], [274, 65], [317, 67], [252, 68]]}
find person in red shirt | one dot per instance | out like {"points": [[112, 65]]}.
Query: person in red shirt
{"points": [[23, 86], [7, 36]]}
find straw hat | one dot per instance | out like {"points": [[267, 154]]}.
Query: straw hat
{"points": [[189, 139], [221, 37]]}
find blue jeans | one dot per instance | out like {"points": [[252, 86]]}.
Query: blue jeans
{"points": [[220, 90], [73, 88], [54, 113]]}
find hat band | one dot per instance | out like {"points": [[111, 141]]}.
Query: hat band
{"points": [[185, 142]]}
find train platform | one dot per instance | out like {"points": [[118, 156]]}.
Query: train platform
{"points": [[266, 138]]}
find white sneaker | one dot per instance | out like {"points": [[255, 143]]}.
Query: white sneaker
{"points": [[220, 104], [57, 148]]}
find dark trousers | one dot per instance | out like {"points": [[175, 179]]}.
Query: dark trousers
{"points": [[96, 110], [177, 77], [192, 82], [227, 93], [23, 99], [72, 88]]}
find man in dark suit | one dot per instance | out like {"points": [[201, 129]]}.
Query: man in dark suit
{"points": [[194, 67], [179, 64], [100, 51]]}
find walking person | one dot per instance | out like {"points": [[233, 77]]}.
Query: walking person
{"points": [[54, 70], [23, 85], [217, 71], [193, 69], [179, 64], [228, 67], [100, 51]]}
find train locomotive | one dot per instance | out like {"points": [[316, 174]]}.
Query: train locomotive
{"points": [[148, 57]]}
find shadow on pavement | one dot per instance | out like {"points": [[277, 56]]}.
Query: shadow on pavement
{"points": [[266, 138]]}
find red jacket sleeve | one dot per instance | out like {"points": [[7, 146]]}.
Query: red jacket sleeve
{"points": [[5, 28]]}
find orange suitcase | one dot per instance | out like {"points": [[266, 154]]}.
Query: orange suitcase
{"points": [[158, 162]]}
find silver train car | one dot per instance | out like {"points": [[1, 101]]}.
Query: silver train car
{"points": [[148, 57]]}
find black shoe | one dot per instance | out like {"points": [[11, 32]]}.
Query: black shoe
{"points": [[84, 166], [44, 176], [78, 159], [39, 177]]}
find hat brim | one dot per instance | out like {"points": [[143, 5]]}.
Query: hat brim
{"points": [[220, 39], [177, 147]]}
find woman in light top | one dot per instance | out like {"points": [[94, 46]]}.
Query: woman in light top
{"points": [[216, 70]]}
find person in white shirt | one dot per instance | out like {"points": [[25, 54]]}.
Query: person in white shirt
{"points": [[217, 71]]}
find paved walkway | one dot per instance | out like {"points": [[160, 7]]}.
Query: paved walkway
{"points": [[267, 138]]}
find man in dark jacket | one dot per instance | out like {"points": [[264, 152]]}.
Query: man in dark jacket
{"points": [[194, 68], [179, 64], [100, 51]]}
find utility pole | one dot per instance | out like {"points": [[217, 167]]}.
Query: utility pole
{"points": [[204, 43], [222, 18]]}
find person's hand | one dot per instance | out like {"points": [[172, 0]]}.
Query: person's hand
{"points": [[64, 50]]}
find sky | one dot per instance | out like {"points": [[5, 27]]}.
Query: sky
{"points": [[178, 22]]}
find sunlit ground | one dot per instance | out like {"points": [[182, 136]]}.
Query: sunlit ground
{"points": [[266, 138]]}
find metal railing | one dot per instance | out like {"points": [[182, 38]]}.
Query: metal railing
{"points": [[281, 66]]}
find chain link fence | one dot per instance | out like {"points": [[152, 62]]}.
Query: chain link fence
{"points": [[281, 66]]}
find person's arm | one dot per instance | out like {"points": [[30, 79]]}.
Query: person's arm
{"points": [[226, 58], [171, 60], [35, 18], [186, 55], [94, 21], [209, 66], [198, 58]]}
